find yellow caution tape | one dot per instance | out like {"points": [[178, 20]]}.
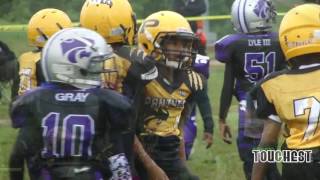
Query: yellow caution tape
{"points": [[23, 27]]}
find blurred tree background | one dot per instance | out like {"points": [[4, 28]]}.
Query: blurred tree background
{"points": [[19, 11]]}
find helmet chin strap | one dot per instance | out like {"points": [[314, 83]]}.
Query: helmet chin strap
{"points": [[175, 64], [78, 82]]}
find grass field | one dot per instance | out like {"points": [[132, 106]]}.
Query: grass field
{"points": [[220, 162]]}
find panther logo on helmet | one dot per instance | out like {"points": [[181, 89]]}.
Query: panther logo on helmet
{"points": [[76, 49]]}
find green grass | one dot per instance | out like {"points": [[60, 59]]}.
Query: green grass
{"points": [[220, 162]]}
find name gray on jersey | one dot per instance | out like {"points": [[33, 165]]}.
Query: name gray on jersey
{"points": [[72, 97]]}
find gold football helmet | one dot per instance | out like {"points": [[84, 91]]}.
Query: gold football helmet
{"points": [[113, 19], [163, 28], [299, 31], [44, 24]]}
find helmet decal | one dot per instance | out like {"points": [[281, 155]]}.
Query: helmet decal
{"points": [[113, 19], [77, 49], [75, 56], [107, 2], [44, 23], [262, 9], [249, 16]]}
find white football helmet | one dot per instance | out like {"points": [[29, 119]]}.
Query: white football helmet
{"points": [[75, 56], [250, 16]]}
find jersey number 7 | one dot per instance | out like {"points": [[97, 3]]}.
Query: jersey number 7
{"points": [[313, 105]]}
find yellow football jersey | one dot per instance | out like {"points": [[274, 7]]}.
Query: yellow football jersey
{"points": [[27, 71], [164, 103], [118, 68], [296, 99]]}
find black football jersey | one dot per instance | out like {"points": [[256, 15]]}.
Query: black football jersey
{"points": [[252, 56], [67, 122], [165, 101]]}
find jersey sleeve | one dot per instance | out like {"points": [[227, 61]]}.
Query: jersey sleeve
{"points": [[265, 109], [21, 109], [6, 54], [201, 98], [28, 73], [15, 83], [224, 48], [143, 66], [118, 108], [226, 91]]}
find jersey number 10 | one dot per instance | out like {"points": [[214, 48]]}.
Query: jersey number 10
{"points": [[73, 138]]}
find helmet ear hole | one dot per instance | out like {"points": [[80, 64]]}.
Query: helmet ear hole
{"points": [[145, 46]]}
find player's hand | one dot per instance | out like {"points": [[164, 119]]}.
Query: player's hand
{"points": [[208, 138], [225, 132], [156, 173]]}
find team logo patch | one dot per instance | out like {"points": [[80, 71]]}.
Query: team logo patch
{"points": [[182, 93], [262, 9], [77, 49]]}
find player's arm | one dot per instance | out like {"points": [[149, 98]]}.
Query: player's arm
{"points": [[20, 113], [225, 102], [143, 66], [272, 126], [203, 102], [19, 110], [15, 83], [268, 141], [16, 160], [111, 150], [154, 171], [5, 54], [182, 151]]}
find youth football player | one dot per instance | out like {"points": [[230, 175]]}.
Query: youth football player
{"points": [[70, 119], [42, 25], [293, 96], [128, 70], [249, 55], [167, 37]]}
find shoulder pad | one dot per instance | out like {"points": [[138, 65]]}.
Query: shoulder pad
{"points": [[30, 57], [115, 99], [222, 47], [272, 75]]}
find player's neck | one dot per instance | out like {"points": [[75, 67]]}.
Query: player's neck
{"points": [[167, 72]]}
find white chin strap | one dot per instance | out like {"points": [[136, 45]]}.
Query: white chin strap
{"points": [[80, 83]]}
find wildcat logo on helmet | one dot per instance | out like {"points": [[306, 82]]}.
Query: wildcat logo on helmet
{"points": [[77, 49], [262, 9]]}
